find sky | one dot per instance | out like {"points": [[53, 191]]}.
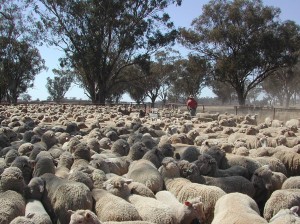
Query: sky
{"points": [[181, 16]]}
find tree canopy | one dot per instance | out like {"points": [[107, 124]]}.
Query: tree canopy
{"points": [[100, 38], [244, 41]]}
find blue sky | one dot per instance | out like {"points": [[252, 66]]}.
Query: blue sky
{"points": [[181, 16]]}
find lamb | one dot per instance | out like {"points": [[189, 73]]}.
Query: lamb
{"points": [[286, 216], [145, 172], [62, 195], [109, 207], [237, 208], [36, 212], [281, 199], [184, 190], [186, 212], [83, 216], [12, 204]]}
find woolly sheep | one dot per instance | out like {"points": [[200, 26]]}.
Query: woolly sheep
{"points": [[237, 208], [140, 189], [44, 163], [82, 177], [36, 212], [291, 160], [12, 179], [186, 152], [281, 199], [109, 207], [148, 208], [155, 156], [145, 172], [184, 190], [83, 216], [121, 147], [25, 149], [286, 216], [137, 151], [291, 183], [21, 220], [265, 181], [185, 212], [62, 195], [49, 139], [35, 189], [12, 204]]}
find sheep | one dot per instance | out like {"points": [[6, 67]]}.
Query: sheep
{"points": [[12, 204], [83, 216], [119, 165], [36, 212], [291, 183], [12, 179], [145, 172], [186, 152], [184, 190], [140, 189], [121, 147], [237, 208], [291, 160], [137, 151], [155, 156], [148, 208], [274, 164], [265, 181], [10, 156], [207, 165], [44, 163], [35, 189], [185, 212], [25, 148], [227, 184], [281, 199], [21, 220], [109, 207], [286, 216], [62, 195], [82, 177]]}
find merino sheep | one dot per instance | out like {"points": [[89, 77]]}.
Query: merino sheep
{"points": [[185, 212], [83, 216], [109, 207], [291, 160], [62, 195], [36, 212], [12, 179], [286, 216], [281, 199], [237, 208], [145, 172], [184, 190], [12, 204], [291, 183]]}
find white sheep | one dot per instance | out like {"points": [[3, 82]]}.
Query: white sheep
{"points": [[237, 208], [109, 207], [185, 212], [286, 216], [12, 179], [36, 212], [83, 217], [63, 195], [281, 199], [145, 172], [291, 182]]}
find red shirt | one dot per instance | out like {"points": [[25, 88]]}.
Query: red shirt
{"points": [[191, 103]]}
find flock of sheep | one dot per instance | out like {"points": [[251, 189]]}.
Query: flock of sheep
{"points": [[96, 165]]}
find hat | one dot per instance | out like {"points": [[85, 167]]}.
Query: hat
{"points": [[191, 96]]}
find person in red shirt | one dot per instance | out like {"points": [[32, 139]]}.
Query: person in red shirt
{"points": [[192, 105]]}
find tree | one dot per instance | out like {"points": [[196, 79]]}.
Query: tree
{"points": [[190, 75], [244, 41], [20, 60], [25, 97], [59, 85], [283, 84], [101, 38], [223, 91]]}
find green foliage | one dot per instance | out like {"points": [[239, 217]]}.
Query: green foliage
{"points": [[59, 85], [244, 40], [101, 38]]}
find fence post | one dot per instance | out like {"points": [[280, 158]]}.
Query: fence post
{"points": [[203, 109], [235, 108], [274, 113]]}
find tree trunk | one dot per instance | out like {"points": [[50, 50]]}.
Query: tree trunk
{"points": [[241, 98]]}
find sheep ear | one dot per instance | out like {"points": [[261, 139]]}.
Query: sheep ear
{"points": [[295, 209], [30, 215], [70, 212], [88, 215]]}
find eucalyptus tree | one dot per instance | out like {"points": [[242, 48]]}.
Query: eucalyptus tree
{"points": [[20, 60], [100, 38], [59, 85], [244, 40]]}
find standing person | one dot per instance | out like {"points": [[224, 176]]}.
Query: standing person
{"points": [[192, 105]]}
